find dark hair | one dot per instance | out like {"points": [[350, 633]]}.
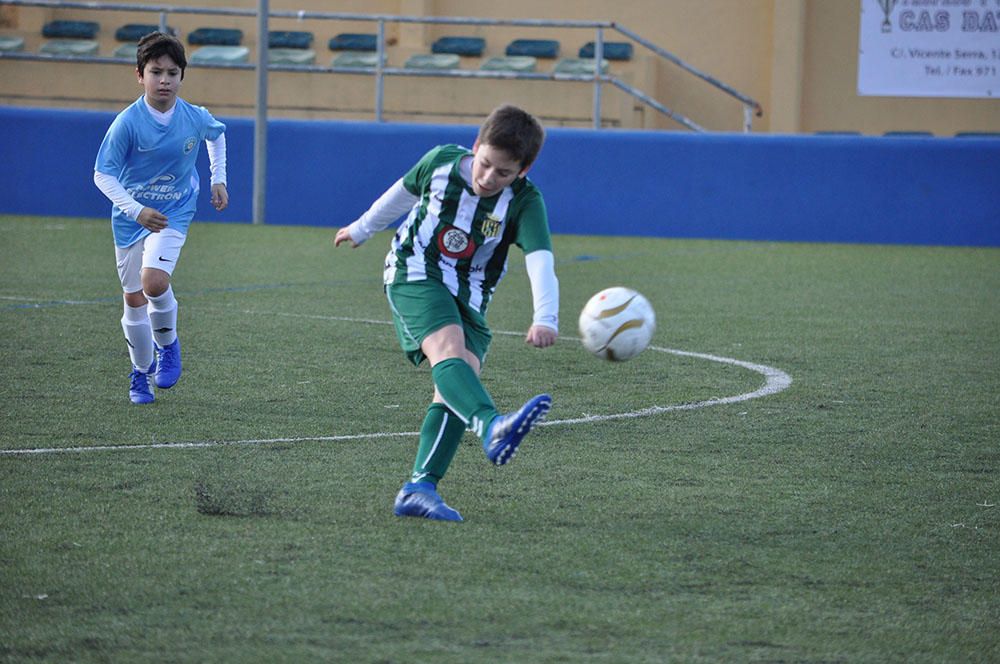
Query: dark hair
{"points": [[157, 44], [514, 131]]}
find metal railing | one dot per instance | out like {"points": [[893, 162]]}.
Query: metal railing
{"points": [[262, 14], [750, 107]]}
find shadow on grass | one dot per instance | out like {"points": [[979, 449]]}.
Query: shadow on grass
{"points": [[231, 500]]}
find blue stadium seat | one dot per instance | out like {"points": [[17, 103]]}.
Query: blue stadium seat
{"points": [[133, 32], [518, 63], [353, 41], [69, 47], [216, 37], [612, 50], [433, 61], [291, 56], [126, 50], [70, 29], [289, 39], [220, 55], [11, 43], [356, 59], [909, 134], [578, 66], [537, 48], [468, 46]]}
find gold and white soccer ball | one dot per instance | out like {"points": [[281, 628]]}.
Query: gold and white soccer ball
{"points": [[617, 324]]}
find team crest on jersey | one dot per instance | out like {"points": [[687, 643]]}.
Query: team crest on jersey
{"points": [[189, 144], [490, 227], [455, 243]]}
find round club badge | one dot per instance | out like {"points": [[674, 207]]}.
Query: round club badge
{"points": [[455, 243]]}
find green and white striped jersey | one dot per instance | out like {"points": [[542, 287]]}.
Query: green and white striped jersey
{"points": [[458, 238]]}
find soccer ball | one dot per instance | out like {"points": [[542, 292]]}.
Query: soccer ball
{"points": [[617, 324]]}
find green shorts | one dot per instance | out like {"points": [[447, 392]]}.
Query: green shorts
{"points": [[422, 307]]}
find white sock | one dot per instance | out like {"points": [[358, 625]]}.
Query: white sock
{"points": [[138, 336], [163, 317]]}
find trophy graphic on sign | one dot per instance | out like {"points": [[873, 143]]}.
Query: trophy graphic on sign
{"points": [[887, 7]]}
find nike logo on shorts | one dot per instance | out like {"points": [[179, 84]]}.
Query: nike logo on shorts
{"points": [[165, 260]]}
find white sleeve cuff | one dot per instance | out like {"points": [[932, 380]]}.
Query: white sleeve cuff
{"points": [[544, 288]]}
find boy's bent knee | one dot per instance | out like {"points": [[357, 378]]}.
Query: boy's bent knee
{"points": [[136, 299], [155, 282]]}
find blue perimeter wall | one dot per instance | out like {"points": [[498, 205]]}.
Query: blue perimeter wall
{"points": [[897, 190]]}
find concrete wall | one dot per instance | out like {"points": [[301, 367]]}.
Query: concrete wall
{"points": [[611, 182], [797, 57]]}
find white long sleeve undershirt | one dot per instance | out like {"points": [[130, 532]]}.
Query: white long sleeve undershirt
{"points": [[120, 198], [544, 287], [389, 207], [217, 159]]}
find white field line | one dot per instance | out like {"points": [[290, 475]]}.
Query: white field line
{"points": [[40, 302], [775, 380]]}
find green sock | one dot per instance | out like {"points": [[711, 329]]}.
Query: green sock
{"points": [[459, 386], [440, 435]]}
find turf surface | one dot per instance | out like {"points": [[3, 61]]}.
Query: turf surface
{"points": [[851, 517]]}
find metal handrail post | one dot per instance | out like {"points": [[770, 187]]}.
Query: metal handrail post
{"points": [[379, 67], [260, 125], [163, 22], [747, 118], [598, 57]]}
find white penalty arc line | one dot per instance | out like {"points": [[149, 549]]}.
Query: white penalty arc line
{"points": [[775, 380]]}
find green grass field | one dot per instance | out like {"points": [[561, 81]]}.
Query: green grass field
{"points": [[246, 515]]}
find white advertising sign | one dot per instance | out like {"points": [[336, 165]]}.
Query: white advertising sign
{"points": [[929, 48]]}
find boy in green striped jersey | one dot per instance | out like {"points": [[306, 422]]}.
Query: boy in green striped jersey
{"points": [[464, 208]]}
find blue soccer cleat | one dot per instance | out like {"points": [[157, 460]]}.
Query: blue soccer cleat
{"points": [[169, 365], [422, 500], [507, 431], [139, 389]]}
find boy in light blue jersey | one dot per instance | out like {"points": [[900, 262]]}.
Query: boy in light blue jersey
{"points": [[465, 210], [146, 166]]}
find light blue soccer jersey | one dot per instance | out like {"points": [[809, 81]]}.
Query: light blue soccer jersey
{"points": [[156, 163]]}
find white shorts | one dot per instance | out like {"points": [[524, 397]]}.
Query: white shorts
{"points": [[157, 250]]}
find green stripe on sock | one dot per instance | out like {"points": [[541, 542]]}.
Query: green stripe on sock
{"points": [[440, 436], [464, 394]]}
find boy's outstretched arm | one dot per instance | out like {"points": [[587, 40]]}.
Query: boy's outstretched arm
{"points": [[387, 209], [545, 296]]}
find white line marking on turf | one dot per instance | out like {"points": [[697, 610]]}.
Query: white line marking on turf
{"points": [[40, 302], [775, 380], [208, 443]]}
